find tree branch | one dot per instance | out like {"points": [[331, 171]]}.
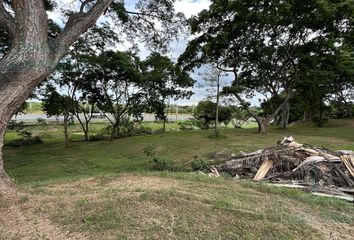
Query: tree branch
{"points": [[77, 24]]}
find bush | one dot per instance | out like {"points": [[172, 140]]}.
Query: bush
{"points": [[128, 129], [25, 142], [190, 124], [41, 121], [150, 150], [199, 165], [16, 126], [26, 139], [97, 137], [160, 163]]}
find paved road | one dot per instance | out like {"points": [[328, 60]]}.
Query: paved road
{"points": [[34, 117]]}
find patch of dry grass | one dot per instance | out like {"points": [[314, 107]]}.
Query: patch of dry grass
{"points": [[186, 206]]}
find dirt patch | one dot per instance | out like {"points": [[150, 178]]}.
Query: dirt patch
{"points": [[19, 221], [145, 206]]}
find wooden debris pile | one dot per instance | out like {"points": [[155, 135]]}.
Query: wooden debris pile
{"points": [[290, 162]]}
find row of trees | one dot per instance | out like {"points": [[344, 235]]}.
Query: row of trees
{"points": [[281, 49], [32, 45], [118, 84]]}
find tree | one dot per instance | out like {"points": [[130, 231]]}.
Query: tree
{"points": [[206, 111], [213, 84], [33, 51], [118, 87], [164, 80], [263, 43], [55, 104], [73, 73], [343, 86]]}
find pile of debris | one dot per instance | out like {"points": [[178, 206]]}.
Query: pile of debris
{"points": [[292, 164]]}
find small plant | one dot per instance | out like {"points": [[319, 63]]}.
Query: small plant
{"points": [[150, 150], [159, 163], [189, 124], [25, 140], [41, 121], [199, 165], [25, 134]]}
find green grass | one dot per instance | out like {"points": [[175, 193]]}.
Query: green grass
{"points": [[185, 206], [52, 161], [105, 190]]}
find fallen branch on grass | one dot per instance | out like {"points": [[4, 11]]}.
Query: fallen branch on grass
{"points": [[301, 164]]}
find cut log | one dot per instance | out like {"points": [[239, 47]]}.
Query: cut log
{"points": [[348, 161], [263, 170]]}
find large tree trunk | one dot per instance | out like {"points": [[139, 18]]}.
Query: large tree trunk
{"points": [[263, 125], [22, 69], [4, 179], [32, 57]]}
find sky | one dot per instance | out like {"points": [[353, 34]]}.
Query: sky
{"points": [[189, 8]]}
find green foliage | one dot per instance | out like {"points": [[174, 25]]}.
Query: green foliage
{"points": [[190, 124], [275, 52], [25, 138], [55, 104], [41, 121], [159, 162], [49, 161], [128, 128], [164, 81], [199, 164], [206, 111], [239, 116], [150, 150]]}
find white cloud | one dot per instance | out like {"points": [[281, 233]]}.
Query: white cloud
{"points": [[191, 7]]}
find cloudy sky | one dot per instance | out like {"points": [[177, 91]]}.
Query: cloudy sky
{"points": [[189, 8]]}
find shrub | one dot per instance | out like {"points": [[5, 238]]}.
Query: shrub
{"points": [[41, 121], [160, 163], [199, 165], [128, 129], [150, 150], [97, 137], [190, 124], [25, 142]]}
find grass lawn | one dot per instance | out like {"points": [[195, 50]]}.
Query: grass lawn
{"points": [[105, 190]]}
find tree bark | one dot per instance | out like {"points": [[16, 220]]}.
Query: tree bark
{"points": [[66, 134], [164, 125], [263, 125], [32, 57], [86, 131], [285, 115], [4, 179], [217, 105]]}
